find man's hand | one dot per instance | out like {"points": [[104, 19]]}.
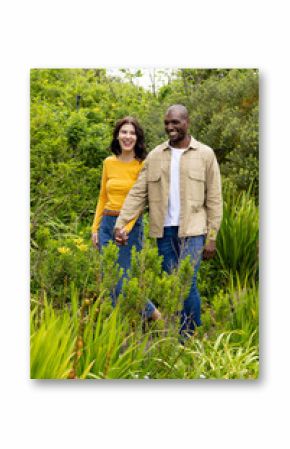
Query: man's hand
{"points": [[209, 249], [95, 240], [121, 236]]}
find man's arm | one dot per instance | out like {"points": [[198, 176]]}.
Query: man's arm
{"points": [[134, 204], [213, 206]]}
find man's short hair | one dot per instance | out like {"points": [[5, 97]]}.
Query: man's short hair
{"points": [[181, 108]]}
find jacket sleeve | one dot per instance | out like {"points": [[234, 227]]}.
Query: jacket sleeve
{"points": [[135, 201], [214, 204], [101, 201]]}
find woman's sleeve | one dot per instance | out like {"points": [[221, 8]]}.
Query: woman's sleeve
{"points": [[101, 201]]}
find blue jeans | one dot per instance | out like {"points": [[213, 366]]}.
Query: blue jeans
{"points": [[106, 235], [173, 249]]}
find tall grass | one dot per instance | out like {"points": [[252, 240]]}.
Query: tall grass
{"points": [[84, 341], [52, 343], [89, 341], [236, 309], [237, 245], [223, 358]]}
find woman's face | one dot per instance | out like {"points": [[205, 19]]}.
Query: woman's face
{"points": [[127, 137]]}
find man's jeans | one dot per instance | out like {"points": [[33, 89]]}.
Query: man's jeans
{"points": [[174, 249], [106, 234]]}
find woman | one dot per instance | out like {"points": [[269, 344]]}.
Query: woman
{"points": [[120, 172]]}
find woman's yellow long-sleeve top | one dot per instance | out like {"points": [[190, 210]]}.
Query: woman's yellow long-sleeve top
{"points": [[118, 178]]}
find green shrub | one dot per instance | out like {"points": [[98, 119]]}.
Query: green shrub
{"points": [[236, 309], [57, 262]]}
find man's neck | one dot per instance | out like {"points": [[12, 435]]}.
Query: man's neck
{"points": [[182, 145]]}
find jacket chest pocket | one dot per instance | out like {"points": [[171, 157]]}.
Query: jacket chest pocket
{"points": [[196, 185], [154, 185]]}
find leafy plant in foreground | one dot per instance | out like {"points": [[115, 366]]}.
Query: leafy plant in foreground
{"points": [[237, 246]]}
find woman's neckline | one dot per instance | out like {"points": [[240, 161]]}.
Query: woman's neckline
{"points": [[126, 162]]}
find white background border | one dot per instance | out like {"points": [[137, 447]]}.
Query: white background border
{"points": [[122, 414]]}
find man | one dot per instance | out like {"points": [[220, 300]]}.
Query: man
{"points": [[181, 183]]}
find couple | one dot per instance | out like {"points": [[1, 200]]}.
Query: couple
{"points": [[180, 182]]}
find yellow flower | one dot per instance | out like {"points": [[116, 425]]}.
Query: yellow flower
{"points": [[78, 241], [82, 247], [63, 250]]}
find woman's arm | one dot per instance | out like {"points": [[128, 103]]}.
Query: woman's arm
{"points": [[100, 206]]}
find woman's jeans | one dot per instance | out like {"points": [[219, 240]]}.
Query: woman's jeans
{"points": [[106, 235], [173, 249]]}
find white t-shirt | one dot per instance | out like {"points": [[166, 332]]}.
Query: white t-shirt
{"points": [[172, 217]]}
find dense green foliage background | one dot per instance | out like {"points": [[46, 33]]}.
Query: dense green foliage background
{"points": [[73, 112], [70, 141]]}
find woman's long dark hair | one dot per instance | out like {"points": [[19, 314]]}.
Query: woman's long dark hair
{"points": [[140, 151]]}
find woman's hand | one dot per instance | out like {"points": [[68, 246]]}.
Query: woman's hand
{"points": [[95, 240]]}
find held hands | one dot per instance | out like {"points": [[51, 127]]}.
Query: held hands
{"points": [[209, 249], [121, 236]]}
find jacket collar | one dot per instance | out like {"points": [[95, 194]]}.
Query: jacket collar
{"points": [[192, 145]]}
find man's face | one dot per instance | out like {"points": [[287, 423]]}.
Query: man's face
{"points": [[176, 126]]}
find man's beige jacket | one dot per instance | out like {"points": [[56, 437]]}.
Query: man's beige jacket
{"points": [[200, 192]]}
